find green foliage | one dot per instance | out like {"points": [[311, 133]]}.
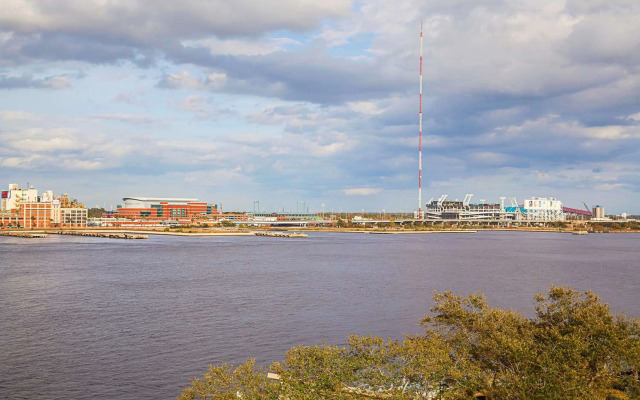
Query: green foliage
{"points": [[95, 212], [313, 372], [226, 382], [558, 224], [574, 348]]}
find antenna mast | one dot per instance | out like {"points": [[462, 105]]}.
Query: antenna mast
{"points": [[420, 212]]}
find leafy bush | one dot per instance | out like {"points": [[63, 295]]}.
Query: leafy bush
{"points": [[574, 348]]}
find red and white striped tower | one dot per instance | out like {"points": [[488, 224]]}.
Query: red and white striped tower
{"points": [[420, 212]]}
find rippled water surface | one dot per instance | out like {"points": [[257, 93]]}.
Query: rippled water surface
{"points": [[111, 319]]}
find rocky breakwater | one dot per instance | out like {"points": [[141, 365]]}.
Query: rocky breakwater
{"points": [[110, 235]]}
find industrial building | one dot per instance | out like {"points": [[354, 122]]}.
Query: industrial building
{"points": [[598, 213], [164, 208], [24, 208]]}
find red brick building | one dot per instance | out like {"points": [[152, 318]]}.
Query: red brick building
{"points": [[165, 209]]}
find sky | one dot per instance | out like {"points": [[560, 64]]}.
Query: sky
{"points": [[291, 101]]}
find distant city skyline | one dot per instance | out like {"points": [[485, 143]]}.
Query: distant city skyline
{"points": [[289, 100]]}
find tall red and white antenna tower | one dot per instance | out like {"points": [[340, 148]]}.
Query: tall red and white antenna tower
{"points": [[420, 212]]}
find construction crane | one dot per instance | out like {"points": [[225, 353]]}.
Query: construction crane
{"points": [[591, 213]]}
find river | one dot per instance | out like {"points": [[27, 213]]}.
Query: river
{"points": [[130, 319]]}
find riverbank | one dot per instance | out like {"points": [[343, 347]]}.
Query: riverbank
{"points": [[207, 232]]}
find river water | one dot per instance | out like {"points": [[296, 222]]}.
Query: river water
{"points": [[118, 319]]}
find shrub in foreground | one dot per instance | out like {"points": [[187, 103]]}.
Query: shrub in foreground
{"points": [[574, 348]]}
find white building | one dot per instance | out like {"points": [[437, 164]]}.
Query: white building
{"points": [[12, 198], [73, 217], [149, 202], [543, 209]]}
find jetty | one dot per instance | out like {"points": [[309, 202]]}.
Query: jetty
{"points": [[29, 235], [109, 235], [282, 234]]}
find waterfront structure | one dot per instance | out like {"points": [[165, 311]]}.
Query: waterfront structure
{"points": [[24, 208], [234, 217], [37, 215], [598, 212], [164, 208], [285, 216], [301, 219], [150, 202], [73, 217], [544, 209], [534, 209], [463, 210]]}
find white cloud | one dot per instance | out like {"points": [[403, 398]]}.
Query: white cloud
{"points": [[184, 79], [330, 149], [216, 177], [39, 141], [16, 116], [610, 186], [635, 117], [340, 36], [238, 47], [365, 107], [122, 117], [361, 191], [491, 158], [16, 162], [74, 164], [148, 21], [56, 82], [194, 103]]}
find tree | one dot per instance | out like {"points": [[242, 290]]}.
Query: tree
{"points": [[223, 382], [574, 348], [95, 212]]}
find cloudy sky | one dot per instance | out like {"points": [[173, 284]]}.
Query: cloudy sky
{"points": [[286, 100]]}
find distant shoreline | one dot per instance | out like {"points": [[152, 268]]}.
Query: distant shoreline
{"points": [[206, 232]]}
